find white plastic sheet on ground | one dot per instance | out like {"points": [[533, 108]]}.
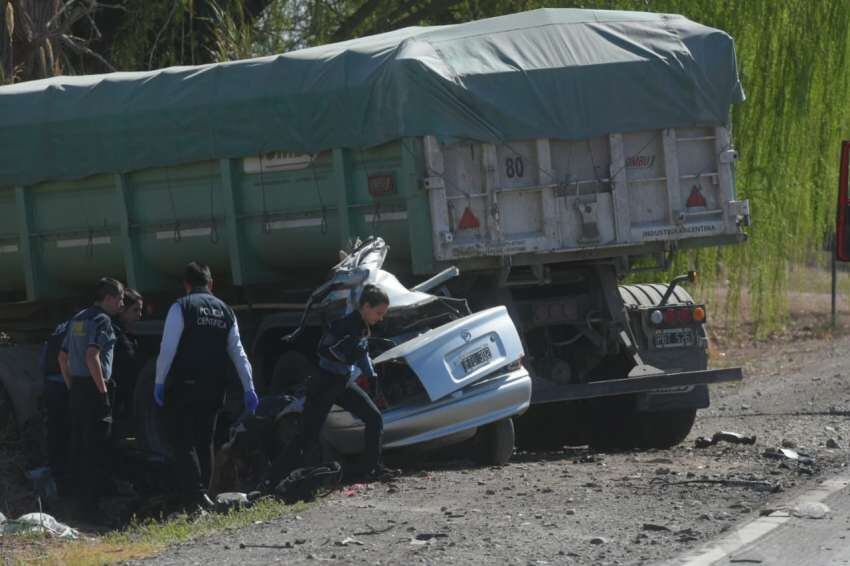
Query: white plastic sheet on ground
{"points": [[38, 523]]}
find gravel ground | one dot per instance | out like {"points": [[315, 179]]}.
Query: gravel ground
{"points": [[573, 506]]}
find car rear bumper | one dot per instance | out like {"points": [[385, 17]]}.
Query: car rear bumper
{"points": [[489, 400]]}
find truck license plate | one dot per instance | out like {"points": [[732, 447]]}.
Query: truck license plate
{"points": [[476, 359], [674, 338]]}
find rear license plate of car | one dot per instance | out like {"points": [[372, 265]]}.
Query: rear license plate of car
{"points": [[476, 359], [674, 338]]}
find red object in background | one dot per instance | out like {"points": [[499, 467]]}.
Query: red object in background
{"points": [[468, 220], [696, 199], [842, 224]]}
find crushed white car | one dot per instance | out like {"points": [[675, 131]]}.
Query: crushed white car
{"points": [[445, 375]]}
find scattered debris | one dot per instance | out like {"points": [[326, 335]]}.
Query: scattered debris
{"points": [[430, 536], [724, 436], [225, 502], [757, 485], [788, 454], [831, 443], [286, 545], [38, 523], [347, 541], [733, 437], [354, 489], [373, 531], [687, 535], [788, 443], [810, 510], [745, 560], [654, 527]]}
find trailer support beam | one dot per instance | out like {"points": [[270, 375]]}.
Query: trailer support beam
{"points": [[30, 261], [234, 236]]}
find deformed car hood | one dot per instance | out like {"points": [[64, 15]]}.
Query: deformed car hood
{"points": [[437, 356]]}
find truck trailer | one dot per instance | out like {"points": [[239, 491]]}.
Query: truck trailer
{"points": [[547, 155]]}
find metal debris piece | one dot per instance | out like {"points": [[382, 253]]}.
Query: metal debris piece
{"points": [[788, 454], [733, 437], [724, 436]]}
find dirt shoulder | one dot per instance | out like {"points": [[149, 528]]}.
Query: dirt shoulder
{"points": [[573, 506]]}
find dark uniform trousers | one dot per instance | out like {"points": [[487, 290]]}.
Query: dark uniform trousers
{"points": [[58, 431], [88, 409], [191, 425], [324, 391]]}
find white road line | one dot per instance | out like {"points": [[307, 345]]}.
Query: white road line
{"points": [[715, 551]]}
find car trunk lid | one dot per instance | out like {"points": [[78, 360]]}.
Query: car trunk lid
{"points": [[454, 355]]}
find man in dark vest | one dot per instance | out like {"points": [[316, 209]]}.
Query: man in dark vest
{"points": [[343, 350], [86, 363], [200, 336], [127, 360]]}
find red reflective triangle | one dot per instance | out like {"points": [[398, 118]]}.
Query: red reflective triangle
{"points": [[468, 221], [696, 199]]}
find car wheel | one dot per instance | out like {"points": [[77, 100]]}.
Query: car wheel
{"points": [[494, 443], [290, 373]]}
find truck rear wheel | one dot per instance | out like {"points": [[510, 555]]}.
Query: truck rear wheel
{"points": [[663, 429], [494, 443]]}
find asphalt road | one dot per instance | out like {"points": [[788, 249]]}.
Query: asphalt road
{"points": [[812, 530]]}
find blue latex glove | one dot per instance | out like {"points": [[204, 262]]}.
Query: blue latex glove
{"points": [[251, 401], [159, 394]]}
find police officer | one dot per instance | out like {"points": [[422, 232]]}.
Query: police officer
{"points": [[56, 405], [127, 362], [200, 334], [86, 363], [343, 348]]}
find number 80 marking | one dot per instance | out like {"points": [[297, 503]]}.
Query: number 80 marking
{"points": [[514, 167]]}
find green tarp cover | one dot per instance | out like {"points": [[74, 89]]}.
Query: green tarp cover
{"points": [[556, 73]]}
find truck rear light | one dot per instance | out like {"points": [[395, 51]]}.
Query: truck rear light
{"points": [[699, 314], [684, 315], [670, 316], [656, 318]]}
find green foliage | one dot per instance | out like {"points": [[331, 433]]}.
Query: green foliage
{"points": [[793, 59]]}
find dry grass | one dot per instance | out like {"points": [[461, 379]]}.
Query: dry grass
{"points": [[137, 540]]}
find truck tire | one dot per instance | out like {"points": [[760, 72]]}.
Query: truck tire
{"points": [[494, 443], [663, 429], [290, 373], [149, 422]]}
